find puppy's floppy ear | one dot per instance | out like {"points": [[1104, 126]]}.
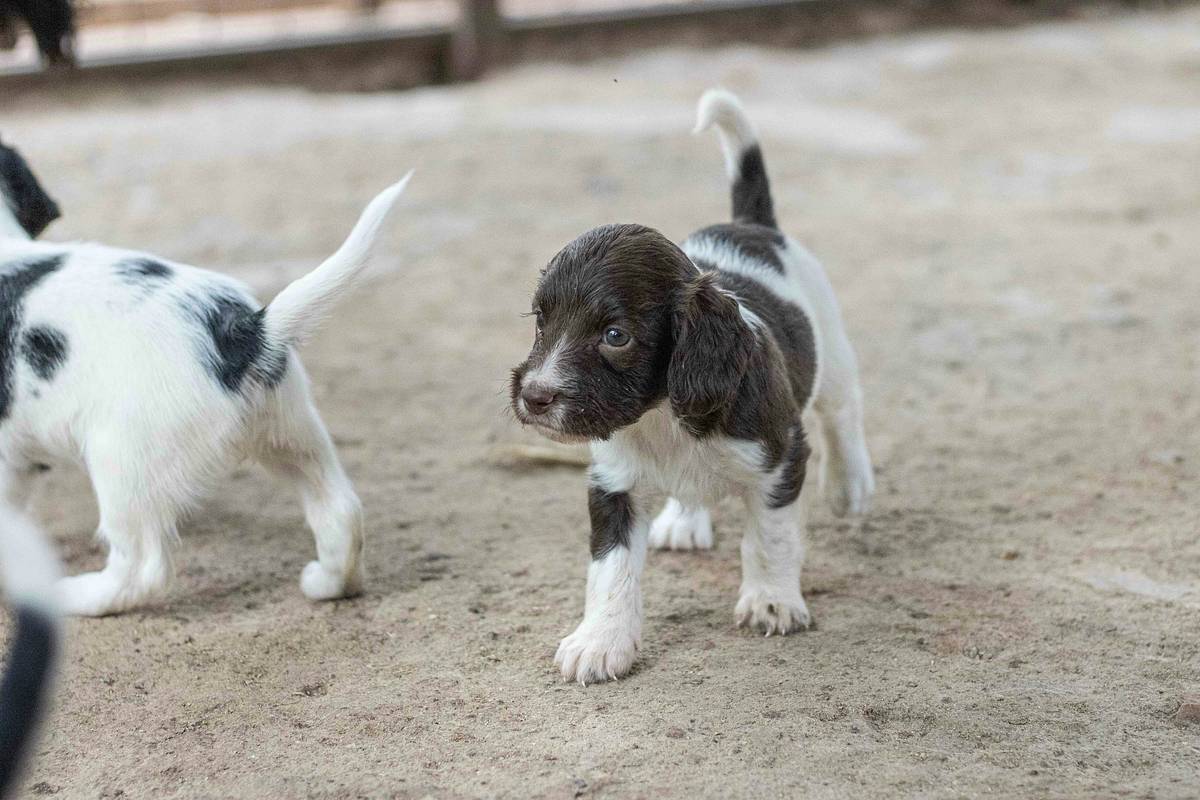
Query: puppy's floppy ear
{"points": [[713, 346]]}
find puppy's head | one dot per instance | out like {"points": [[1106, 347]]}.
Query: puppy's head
{"points": [[23, 195], [624, 320]]}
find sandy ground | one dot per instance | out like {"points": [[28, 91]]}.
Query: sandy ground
{"points": [[1010, 219]]}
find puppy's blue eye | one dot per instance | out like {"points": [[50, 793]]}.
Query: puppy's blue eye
{"points": [[615, 337]]}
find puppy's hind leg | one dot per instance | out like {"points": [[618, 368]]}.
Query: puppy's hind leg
{"points": [[680, 527], [137, 521], [846, 476], [297, 448]]}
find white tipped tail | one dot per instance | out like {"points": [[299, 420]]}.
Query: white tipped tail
{"points": [[722, 108], [751, 190], [302, 306]]}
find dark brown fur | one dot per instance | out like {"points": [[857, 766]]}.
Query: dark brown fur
{"points": [[690, 345], [612, 515]]}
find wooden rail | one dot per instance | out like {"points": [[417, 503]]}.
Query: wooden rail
{"points": [[109, 12], [381, 58]]}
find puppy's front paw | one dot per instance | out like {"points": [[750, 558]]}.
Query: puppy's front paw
{"points": [[772, 612], [680, 528], [597, 653], [318, 583]]}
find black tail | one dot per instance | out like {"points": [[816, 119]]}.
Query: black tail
{"points": [[30, 570], [752, 191], [25, 689], [743, 157]]}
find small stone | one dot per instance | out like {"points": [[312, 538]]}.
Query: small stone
{"points": [[1011, 555], [675, 733], [1189, 711], [1167, 458]]}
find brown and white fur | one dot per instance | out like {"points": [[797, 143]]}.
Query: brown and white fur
{"points": [[690, 370]]}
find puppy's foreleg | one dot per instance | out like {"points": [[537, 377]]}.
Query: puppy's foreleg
{"points": [[605, 644], [773, 549], [772, 556]]}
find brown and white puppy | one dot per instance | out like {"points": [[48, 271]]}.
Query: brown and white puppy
{"points": [[688, 370]]}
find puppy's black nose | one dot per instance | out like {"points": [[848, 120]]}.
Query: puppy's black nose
{"points": [[538, 400]]}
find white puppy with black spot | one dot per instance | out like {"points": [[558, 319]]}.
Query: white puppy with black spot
{"points": [[157, 378], [689, 370]]}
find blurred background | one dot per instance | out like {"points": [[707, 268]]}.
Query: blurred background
{"points": [[1006, 195], [451, 38]]}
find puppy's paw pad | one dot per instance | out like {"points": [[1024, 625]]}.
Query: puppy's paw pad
{"points": [[680, 528], [772, 614], [318, 583], [595, 654]]}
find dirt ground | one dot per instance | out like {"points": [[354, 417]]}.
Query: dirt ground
{"points": [[1011, 221]]}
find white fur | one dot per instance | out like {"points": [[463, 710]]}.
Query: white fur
{"points": [[134, 405], [722, 109], [297, 311], [548, 374], [28, 563], [606, 642], [772, 558], [678, 527], [9, 227]]}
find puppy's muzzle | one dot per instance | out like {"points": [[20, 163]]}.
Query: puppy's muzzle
{"points": [[538, 400]]}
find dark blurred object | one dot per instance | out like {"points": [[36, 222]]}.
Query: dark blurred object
{"points": [[52, 23]]}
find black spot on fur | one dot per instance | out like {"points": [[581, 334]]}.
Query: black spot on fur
{"points": [[612, 516], [45, 350], [752, 191], [791, 477], [236, 346], [16, 279], [757, 242], [24, 688], [29, 203], [144, 271]]}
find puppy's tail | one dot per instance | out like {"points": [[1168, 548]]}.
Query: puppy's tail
{"points": [[30, 570], [299, 309], [743, 157]]}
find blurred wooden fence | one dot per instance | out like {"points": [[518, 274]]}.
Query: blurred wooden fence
{"points": [[379, 44]]}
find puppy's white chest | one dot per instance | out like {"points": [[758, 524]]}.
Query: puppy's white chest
{"points": [[657, 453]]}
